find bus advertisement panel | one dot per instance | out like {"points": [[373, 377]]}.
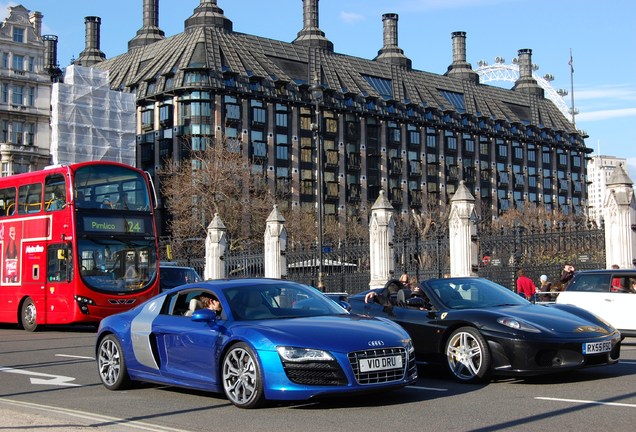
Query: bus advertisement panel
{"points": [[78, 244]]}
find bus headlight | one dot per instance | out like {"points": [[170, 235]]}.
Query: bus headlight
{"points": [[83, 303]]}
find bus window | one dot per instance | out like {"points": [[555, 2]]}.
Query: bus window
{"points": [[55, 192], [7, 201], [30, 198], [59, 266]]}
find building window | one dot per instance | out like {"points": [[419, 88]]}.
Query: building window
{"points": [[259, 115], [431, 138], [282, 115], [5, 60], [451, 141], [18, 34], [31, 99], [414, 135], [282, 147], [259, 149], [232, 109], [18, 62], [502, 150], [5, 93], [30, 134], [146, 119], [31, 64], [16, 133], [165, 114], [18, 95], [5, 131]]}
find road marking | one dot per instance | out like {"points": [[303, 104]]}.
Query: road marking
{"points": [[74, 356], [429, 388], [587, 402], [105, 420], [44, 379]]}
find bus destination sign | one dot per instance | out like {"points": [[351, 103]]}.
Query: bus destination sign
{"points": [[115, 225]]}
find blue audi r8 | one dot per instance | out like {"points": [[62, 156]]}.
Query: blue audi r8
{"points": [[479, 328], [270, 340]]}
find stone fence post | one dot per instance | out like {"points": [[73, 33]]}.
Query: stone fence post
{"points": [[215, 247], [275, 245], [463, 251], [381, 233], [620, 216]]}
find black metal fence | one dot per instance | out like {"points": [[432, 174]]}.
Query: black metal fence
{"points": [[346, 267], [503, 252], [422, 257]]}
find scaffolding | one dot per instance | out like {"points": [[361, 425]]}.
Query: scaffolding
{"points": [[89, 121]]}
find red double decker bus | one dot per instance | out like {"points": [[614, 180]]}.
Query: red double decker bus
{"points": [[78, 243]]}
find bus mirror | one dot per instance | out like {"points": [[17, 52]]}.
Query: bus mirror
{"points": [[60, 254]]}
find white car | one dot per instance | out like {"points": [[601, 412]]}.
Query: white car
{"points": [[609, 294]]}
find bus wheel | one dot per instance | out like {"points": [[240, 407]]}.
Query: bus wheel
{"points": [[28, 315]]}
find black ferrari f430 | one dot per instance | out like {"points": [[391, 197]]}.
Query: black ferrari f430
{"points": [[479, 328]]}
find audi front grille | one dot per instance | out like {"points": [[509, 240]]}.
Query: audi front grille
{"points": [[383, 376]]}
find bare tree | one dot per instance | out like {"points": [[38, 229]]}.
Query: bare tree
{"points": [[217, 180]]}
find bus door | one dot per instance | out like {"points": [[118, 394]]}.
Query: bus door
{"points": [[59, 282]]}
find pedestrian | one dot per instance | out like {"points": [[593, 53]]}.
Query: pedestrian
{"points": [[566, 275], [617, 283], [544, 288], [525, 287]]}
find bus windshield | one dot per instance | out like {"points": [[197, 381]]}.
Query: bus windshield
{"points": [[110, 187], [112, 265]]}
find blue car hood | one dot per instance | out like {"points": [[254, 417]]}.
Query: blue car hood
{"points": [[344, 333]]}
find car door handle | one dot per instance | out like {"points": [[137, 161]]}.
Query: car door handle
{"points": [[608, 300]]}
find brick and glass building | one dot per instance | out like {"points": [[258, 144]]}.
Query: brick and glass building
{"points": [[384, 125]]}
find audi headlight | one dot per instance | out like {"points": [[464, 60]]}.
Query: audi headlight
{"points": [[293, 354], [518, 324]]}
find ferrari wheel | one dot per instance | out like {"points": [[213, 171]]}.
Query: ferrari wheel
{"points": [[111, 364], [467, 355], [29, 315], [242, 377]]}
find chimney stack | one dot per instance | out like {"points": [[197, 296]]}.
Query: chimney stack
{"points": [[460, 68], [36, 21], [208, 14], [91, 54], [526, 82], [311, 35], [391, 52], [50, 58], [150, 31]]}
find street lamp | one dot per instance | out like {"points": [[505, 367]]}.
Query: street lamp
{"points": [[317, 98]]}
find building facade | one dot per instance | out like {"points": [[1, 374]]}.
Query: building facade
{"points": [[383, 125], [599, 171], [25, 92]]}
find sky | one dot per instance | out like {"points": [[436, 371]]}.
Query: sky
{"points": [[599, 34]]}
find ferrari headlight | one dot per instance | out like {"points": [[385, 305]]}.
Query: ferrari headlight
{"points": [[293, 354], [518, 324]]}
